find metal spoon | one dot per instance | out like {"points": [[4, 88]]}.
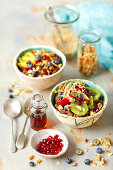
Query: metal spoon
{"points": [[21, 139], [12, 109], [50, 10]]}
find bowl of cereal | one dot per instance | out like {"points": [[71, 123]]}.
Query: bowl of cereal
{"points": [[78, 103], [39, 66]]}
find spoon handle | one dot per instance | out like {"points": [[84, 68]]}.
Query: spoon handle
{"points": [[25, 124], [12, 145]]}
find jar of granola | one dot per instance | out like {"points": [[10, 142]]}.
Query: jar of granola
{"points": [[88, 50], [62, 28]]}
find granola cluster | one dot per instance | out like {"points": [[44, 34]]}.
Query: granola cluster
{"points": [[67, 45], [87, 60]]}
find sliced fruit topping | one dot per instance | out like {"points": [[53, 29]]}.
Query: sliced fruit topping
{"points": [[29, 56], [64, 102], [22, 65], [66, 88], [96, 94], [90, 101], [79, 110], [85, 96]]}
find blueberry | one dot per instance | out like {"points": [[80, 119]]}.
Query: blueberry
{"points": [[65, 107], [56, 61], [31, 164], [80, 95], [30, 65], [60, 95], [87, 161], [90, 92], [49, 63], [99, 150], [69, 161], [28, 62], [34, 73], [10, 96], [10, 90], [70, 86], [38, 57]]}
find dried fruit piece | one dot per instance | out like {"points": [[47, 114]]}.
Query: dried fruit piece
{"points": [[78, 151], [96, 142]]}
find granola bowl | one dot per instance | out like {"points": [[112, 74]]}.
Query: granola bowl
{"points": [[72, 119], [35, 72]]}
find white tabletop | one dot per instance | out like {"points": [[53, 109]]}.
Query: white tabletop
{"points": [[22, 25]]}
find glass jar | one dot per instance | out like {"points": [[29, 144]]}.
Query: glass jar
{"points": [[88, 51], [62, 28], [38, 118]]}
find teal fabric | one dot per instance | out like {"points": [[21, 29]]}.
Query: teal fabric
{"points": [[98, 16]]}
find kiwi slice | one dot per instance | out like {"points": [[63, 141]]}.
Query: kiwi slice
{"points": [[79, 110], [90, 101], [96, 94]]}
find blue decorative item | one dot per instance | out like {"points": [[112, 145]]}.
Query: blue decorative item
{"points": [[98, 16]]}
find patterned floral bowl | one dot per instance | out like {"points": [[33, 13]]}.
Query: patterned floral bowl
{"points": [[79, 122]]}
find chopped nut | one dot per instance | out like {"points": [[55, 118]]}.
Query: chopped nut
{"points": [[11, 85], [60, 107], [39, 161], [99, 105], [16, 92], [97, 157], [86, 149], [94, 164], [27, 91], [73, 164], [107, 146], [98, 166], [58, 163], [103, 161], [31, 157], [91, 144], [108, 153], [85, 140], [107, 141]]}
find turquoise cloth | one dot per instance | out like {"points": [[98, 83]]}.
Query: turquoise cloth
{"points": [[98, 16]]}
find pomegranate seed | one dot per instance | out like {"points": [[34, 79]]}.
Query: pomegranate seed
{"points": [[79, 99], [88, 94], [41, 67], [30, 107], [36, 62], [97, 110], [78, 103], [87, 102], [83, 99], [50, 145]]}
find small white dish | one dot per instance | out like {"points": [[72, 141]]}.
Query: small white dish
{"points": [[45, 133]]}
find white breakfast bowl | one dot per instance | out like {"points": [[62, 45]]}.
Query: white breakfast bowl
{"points": [[42, 134], [40, 83]]}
